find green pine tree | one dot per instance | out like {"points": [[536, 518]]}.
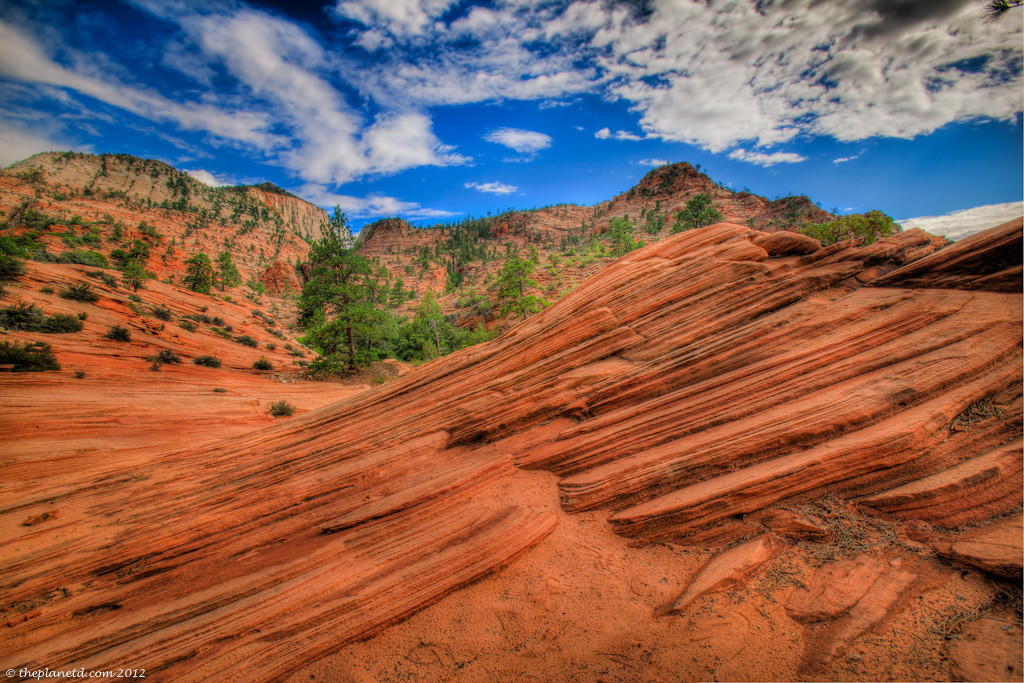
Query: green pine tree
{"points": [[199, 276], [133, 275], [228, 271]]}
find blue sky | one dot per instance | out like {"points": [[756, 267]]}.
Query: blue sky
{"points": [[438, 109]]}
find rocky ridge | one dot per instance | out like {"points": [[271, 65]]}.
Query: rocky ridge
{"points": [[698, 391], [258, 224]]}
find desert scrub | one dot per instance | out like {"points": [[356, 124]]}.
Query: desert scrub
{"points": [[79, 374], [162, 312], [106, 278], [165, 356], [28, 357], [220, 390], [223, 333], [79, 292], [246, 340], [30, 318], [207, 361], [282, 409], [187, 325], [262, 364], [119, 333]]}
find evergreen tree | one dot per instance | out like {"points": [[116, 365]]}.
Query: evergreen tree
{"points": [[397, 295], [699, 212], [621, 236], [513, 280], [228, 271], [133, 275], [340, 302], [199, 276]]}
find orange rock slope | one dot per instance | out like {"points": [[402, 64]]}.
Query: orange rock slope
{"points": [[682, 391]]}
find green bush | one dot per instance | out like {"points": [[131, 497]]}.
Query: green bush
{"points": [[62, 323], [220, 390], [31, 318], [84, 257], [282, 409], [28, 357], [262, 364], [79, 292], [83, 315], [11, 267], [119, 333], [246, 340], [207, 361], [162, 312], [187, 325], [868, 227], [165, 356], [106, 278]]}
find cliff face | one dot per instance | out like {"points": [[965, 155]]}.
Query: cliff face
{"points": [[692, 392], [564, 233], [257, 224]]}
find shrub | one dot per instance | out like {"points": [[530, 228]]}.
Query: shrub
{"points": [[46, 290], [31, 318], [165, 356], [223, 333], [79, 374], [262, 364], [11, 267], [246, 340], [271, 346], [869, 228], [187, 325], [106, 278], [162, 312], [155, 367], [282, 408], [207, 361], [28, 357], [83, 315], [119, 333], [79, 292], [60, 323], [84, 257], [220, 390]]}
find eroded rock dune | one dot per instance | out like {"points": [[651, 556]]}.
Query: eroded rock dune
{"points": [[683, 390]]}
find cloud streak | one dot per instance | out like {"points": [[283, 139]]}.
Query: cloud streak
{"points": [[492, 188]]}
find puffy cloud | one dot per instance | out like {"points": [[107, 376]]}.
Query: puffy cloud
{"points": [[966, 222], [372, 206], [208, 178], [522, 141], [607, 134], [400, 17], [492, 188], [762, 159], [19, 142]]}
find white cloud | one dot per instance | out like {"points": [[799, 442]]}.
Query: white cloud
{"points": [[19, 142], [606, 134], [654, 162], [492, 188], [400, 17], [763, 159], [208, 178], [843, 160], [372, 206], [522, 141], [960, 224]]}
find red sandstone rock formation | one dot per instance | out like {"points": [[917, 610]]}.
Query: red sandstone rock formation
{"points": [[279, 279], [691, 383]]}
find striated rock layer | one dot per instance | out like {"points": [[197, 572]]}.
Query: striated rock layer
{"points": [[692, 383]]}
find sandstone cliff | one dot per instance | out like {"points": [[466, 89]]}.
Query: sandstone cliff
{"points": [[681, 392]]}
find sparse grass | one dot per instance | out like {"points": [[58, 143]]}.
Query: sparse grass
{"points": [[223, 333], [119, 333], [953, 619], [849, 533], [975, 413], [282, 409], [28, 357], [207, 361], [262, 364], [81, 291]]}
